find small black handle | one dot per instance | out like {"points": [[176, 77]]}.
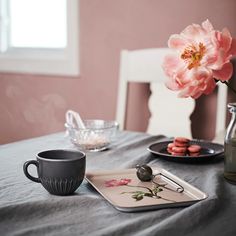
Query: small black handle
{"points": [[25, 168]]}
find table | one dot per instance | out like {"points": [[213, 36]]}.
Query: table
{"points": [[26, 208]]}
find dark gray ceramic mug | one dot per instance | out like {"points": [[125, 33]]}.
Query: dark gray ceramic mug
{"points": [[59, 171]]}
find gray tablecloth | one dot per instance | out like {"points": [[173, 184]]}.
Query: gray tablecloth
{"points": [[27, 209]]}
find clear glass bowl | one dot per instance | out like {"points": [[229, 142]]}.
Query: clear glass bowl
{"points": [[97, 135]]}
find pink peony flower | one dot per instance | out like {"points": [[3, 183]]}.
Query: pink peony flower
{"points": [[114, 182], [203, 56]]}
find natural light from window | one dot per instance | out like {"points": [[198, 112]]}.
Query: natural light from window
{"points": [[39, 24], [39, 37]]}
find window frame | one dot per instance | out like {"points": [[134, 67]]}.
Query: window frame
{"points": [[44, 61]]}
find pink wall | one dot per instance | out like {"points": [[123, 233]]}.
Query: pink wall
{"points": [[35, 105]]}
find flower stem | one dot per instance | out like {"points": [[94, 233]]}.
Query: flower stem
{"points": [[166, 199], [153, 195], [141, 187]]}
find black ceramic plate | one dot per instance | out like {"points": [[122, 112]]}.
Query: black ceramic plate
{"points": [[208, 152]]}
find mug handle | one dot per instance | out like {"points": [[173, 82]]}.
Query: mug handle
{"points": [[25, 168]]}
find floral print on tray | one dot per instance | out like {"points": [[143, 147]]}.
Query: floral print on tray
{"points": [[138, 194]]}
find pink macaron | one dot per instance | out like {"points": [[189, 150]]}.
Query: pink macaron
{"points": [[194, 148], [181, 142]]}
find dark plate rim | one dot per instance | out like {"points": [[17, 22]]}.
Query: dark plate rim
{"points": [[216, 147]]}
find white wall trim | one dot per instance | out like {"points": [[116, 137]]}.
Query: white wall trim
{"points": [[47, 61]]}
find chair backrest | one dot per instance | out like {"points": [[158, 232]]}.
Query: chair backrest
{"points": [[221, 113], [170, 115], [221, 110]]}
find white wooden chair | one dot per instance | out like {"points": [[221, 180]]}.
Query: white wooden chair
{"points": [[170, 115], [221, 113]]}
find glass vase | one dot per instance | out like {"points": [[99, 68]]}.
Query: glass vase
{"points": [[230, 147]]}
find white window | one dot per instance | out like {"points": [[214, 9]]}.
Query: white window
{"points": [[39, 36]]}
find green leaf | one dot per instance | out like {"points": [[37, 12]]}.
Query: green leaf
{"points": [[148, 195], [138, 196]]}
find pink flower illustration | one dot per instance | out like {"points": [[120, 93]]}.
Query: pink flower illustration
{"points": [[202, 57], [114, 182]]}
